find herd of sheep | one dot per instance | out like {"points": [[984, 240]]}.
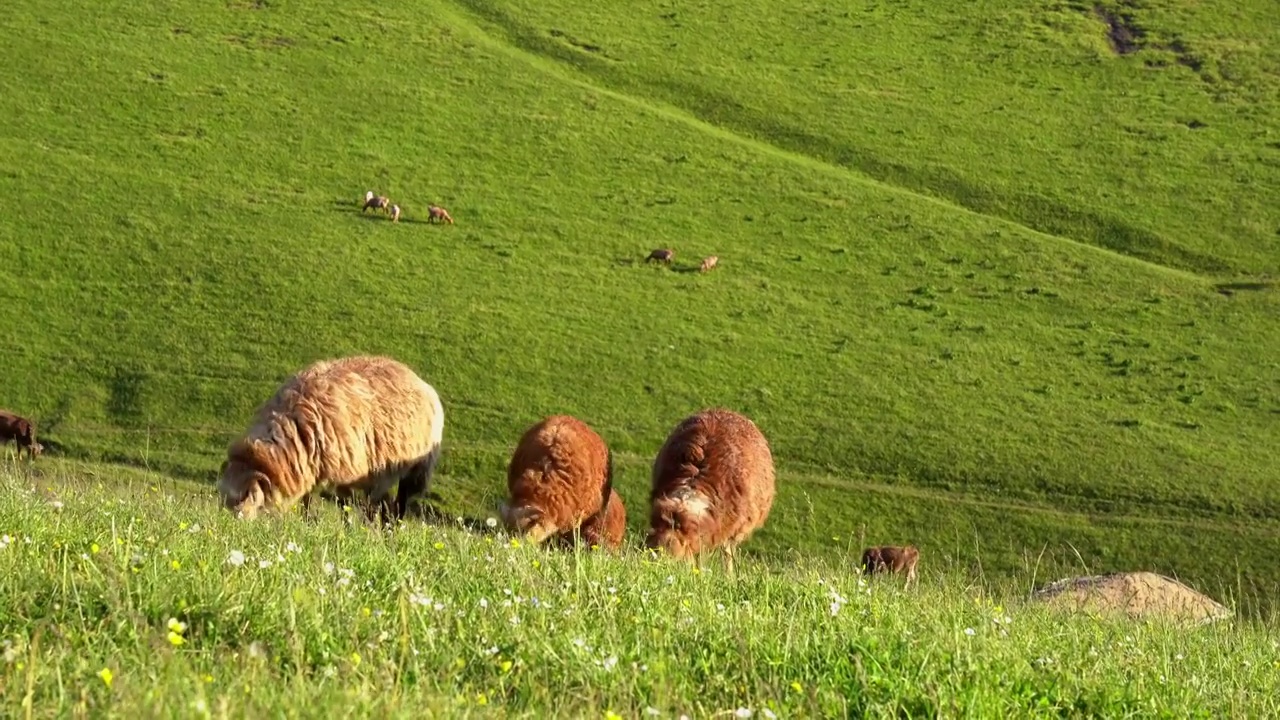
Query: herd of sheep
{"points": [[367, 424]]}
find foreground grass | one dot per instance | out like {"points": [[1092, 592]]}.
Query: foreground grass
{"points": [[124, 596], [972, 302]]}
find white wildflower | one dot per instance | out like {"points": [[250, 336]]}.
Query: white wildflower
{"points": [[328, 568], [292, 547], [652, 711], [969, 631], [264, 564], [491, 522], [56, 505], [484, 603], [609, 663], [743, 713]]}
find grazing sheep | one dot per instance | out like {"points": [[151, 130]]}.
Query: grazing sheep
{"points": [[604, 529], [662, 255], [560, 476], [435, 212], [892, 559], [356, 423], [22, 432], [395, 213], [377, 202], [708, 262], [713, 485]]}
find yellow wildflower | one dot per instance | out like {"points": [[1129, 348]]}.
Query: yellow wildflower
{"points": [[106, 675], [175, 639], [481, 699], [611, 715], [506, 666], [515, 543], [366, 611], [175, 564], [94, 548], [797, 687], [439, 546], [355, 659], [536, 564]]}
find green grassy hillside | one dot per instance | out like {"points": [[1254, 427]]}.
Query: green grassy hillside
{"points": [[986, 285]]}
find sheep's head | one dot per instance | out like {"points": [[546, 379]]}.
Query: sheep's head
{"points": [[678, 524], [526, 520], [245, 490]]}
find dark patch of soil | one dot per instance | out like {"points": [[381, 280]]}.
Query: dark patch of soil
{"points": [[589, 47], [1185, 56], [1195, 124], [1230, 289], [1122, 31]]}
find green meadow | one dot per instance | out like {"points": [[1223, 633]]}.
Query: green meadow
{"points": [[998, 280]]}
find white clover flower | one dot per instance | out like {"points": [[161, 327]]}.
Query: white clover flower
{"points": [[515, 620], [264, 564], [743, 713], [768, 713], [56, 505], [609, 663], [292, 547], [328, 568], [969, 631], [652, 711], [484, 603], [579, 643], [491, 522]]}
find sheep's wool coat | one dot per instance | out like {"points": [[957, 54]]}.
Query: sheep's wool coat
{"points": [[559, 476], [713, 483]]}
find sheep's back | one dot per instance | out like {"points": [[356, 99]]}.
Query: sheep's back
{"points": [[561, 468], [722, 456], [354, 421]]}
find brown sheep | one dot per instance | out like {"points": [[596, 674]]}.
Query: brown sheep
{"points": [[356, 423], [378, 202], [713, 485], [604, 529], [709, 262], [662, 255], [22, 432], [892, 559], [435, 212], [559, 476]]}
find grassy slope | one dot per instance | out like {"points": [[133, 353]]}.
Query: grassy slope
{"points": [[322, 619], [179, 194]]}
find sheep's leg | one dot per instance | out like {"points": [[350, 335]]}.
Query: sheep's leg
{"points": [[728, 559], [344, 505], [414, 484]]}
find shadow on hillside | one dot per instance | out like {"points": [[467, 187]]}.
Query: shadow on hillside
{"points": [[1232, 288]]}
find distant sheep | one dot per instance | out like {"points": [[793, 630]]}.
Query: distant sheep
{"points": [[395, 213], [377, 202], [891, 559], [713, 485], [604, 529], [559, 476], [22, 432], [356, 423], [709, 262], [435, 212], [662, 255]]}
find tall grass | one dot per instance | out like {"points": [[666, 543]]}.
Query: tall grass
{"points": [[126, 595]]}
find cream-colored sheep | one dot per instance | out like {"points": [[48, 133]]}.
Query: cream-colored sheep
{"points": [[356, 423]]}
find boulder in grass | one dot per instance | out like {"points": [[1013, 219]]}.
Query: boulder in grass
{"points": [[1136, 594]]}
